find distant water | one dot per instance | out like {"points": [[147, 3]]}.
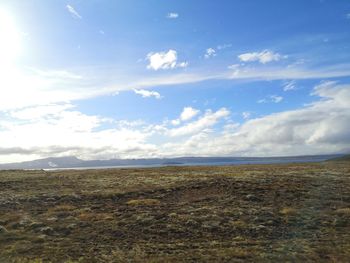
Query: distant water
{"points": [[239, 161]]}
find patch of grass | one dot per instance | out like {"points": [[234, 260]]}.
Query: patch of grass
{"points": [[90, 216], [288, 211], [143, 202], [343, 211], [239, 224], [62, 208]]}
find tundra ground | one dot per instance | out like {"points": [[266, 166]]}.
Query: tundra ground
{"points": [[248, 213]]}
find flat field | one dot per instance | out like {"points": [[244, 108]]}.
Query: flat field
{"points": [[248, 213]]}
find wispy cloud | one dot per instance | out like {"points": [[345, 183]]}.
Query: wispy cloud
{"points": [[210, 52], [38, 112], [73, 12], [223, 46], [147, 93], [289, 85], [56, 86], [172, 15], [271, 98], [164, 60], [263, 57], [246, 115], [280, 73]]}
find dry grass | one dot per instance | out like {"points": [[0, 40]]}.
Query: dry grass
{"points": [[62, 208], [288, 211], [89, 216], [146, 202], [343, 211], [257, 213]]}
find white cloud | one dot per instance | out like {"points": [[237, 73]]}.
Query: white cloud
{"points": [[60, 86], [321, 127], [176, 122], [283, 73], [271, 98], [289, 85], [224, 46], [172, 15], [208, 120], [234, 66], [348, 16], [54, 74], [246, 115], [42, 87], [188, 113], [263, 57], [309, 130], [182, 64], [147, 93], [210, 52], [73, 12], [276, 99], [65, 132], [38, 112], [164, 60]]}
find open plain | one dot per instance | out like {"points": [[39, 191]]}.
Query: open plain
{"points": [[247, 213]]}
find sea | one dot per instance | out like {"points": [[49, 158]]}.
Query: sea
{"points": [[238, 161]]}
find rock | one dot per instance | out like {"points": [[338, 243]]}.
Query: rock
{"points": [[251, 197], [191, 223], [172, 215], [147, 220], [25, 221], [46, 230], [3, 230], [71, 226], [260, 227], [341, 222], [212, 224], [35, 225], [40, 239]]}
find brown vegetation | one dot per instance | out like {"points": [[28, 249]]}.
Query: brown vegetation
{"points": [[252, 213]]}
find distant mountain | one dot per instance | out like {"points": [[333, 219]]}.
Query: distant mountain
{"points": [[46, 163], [74, 162], [344, 158]]}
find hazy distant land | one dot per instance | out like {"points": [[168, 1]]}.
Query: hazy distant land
{"points": [[74, 162]]}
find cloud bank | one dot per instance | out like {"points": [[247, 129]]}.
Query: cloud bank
{"points": [[321, 127]]}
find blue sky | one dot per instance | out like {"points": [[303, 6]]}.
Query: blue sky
{"points": [[133, 79]]}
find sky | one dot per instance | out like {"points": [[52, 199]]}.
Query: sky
{"points": [[164, 78]]}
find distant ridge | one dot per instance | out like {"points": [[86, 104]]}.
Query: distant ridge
{"points": [[74, 162], [344, 158]]}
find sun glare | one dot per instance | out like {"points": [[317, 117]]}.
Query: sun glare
{"points": [[9, 40]]}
